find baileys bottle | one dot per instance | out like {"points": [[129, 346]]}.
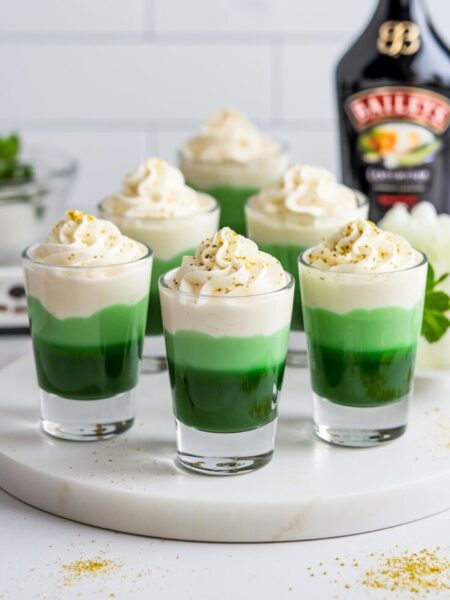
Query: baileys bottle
{"points": [[393, 90]]}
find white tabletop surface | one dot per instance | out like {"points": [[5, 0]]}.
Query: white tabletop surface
{"points": [[35, 549]]}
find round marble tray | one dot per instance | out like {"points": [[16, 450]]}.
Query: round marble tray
{"points": [[310, 489]]}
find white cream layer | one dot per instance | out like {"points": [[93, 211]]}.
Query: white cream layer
{"points": [[170, 237], [362, 266], [85, 265], [253, 174], [80, 292], [285, 229], [230, 288], [241, 316]]}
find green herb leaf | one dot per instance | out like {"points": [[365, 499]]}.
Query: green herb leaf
{"points": [[12, 171], [437, 303]]}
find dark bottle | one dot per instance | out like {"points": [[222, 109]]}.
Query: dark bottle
{"points": [[393, 91]]}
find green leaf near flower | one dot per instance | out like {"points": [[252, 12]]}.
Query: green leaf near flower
{"points": [[437, 303]]}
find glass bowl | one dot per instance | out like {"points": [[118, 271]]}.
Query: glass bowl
{"points": [[29, 210]]}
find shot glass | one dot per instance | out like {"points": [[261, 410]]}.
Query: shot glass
{"points": [[226, 358], [362, 332], [286, 237], [232, 183], [170, 239], [87, 326]]}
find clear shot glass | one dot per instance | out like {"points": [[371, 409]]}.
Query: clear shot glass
{"points": [[170, 238], [87, 326], [362, 332], [287, 237], [232, 183], [226, 358]]}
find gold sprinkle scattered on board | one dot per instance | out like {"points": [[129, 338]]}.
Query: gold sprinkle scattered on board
{"points": [[80, 569], [415, 572]]}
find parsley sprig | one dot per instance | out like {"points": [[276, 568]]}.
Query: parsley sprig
{"points": [[12, 170], [437, 303]]}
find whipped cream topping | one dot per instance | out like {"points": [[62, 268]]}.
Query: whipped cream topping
{"points": [[228, 264], [360, 246], [227, 135], [83, 240], [155, 190], [305, 193]]}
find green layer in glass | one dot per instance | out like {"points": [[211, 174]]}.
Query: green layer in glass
{"points": [[88, 358], [363, 357], [154, 319], [232, 201], [288, 257], [225, 384]]}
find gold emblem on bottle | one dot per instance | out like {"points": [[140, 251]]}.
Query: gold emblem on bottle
{"points": [[396, 38]]}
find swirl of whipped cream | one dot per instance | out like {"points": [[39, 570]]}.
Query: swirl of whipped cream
{"points": [[155, 190], [229, 265], [305, 193], [360, 246], [81, 240], [227, 135]]}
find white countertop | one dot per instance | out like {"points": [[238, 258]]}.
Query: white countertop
{"points": [[35, 546]]}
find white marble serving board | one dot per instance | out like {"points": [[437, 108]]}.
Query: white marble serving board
{"points": [[309, 490]]}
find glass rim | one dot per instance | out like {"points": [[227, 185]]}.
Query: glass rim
{"points": [[162, 281], [67, 169], [284, 150], [109, 214], [362, 199], [27, 258], [302, 261]]}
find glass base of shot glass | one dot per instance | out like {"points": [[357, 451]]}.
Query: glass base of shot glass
{"points": [[297, 356], [225, 453], [154, 355], [359, 427], [86, 420]]}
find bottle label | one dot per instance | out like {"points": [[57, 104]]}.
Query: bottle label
{"points": [[399, 135]]}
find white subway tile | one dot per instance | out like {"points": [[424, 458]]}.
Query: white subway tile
{"points": [[276, 16], [133, 81], [168, 142], [104, 157], [315, 147], [260, 16], [308, 90], [85, 16]]}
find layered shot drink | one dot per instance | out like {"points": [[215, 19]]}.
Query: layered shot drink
{"points": [[297, 212], [156, 207], [226, 314], [87, 290], [231, 160], [362, 294]]}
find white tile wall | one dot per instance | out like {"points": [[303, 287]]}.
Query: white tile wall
{"points": [[136, 81], [81, 16], [260, 16], [308, 80], [114, 80], [103, 156]]}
